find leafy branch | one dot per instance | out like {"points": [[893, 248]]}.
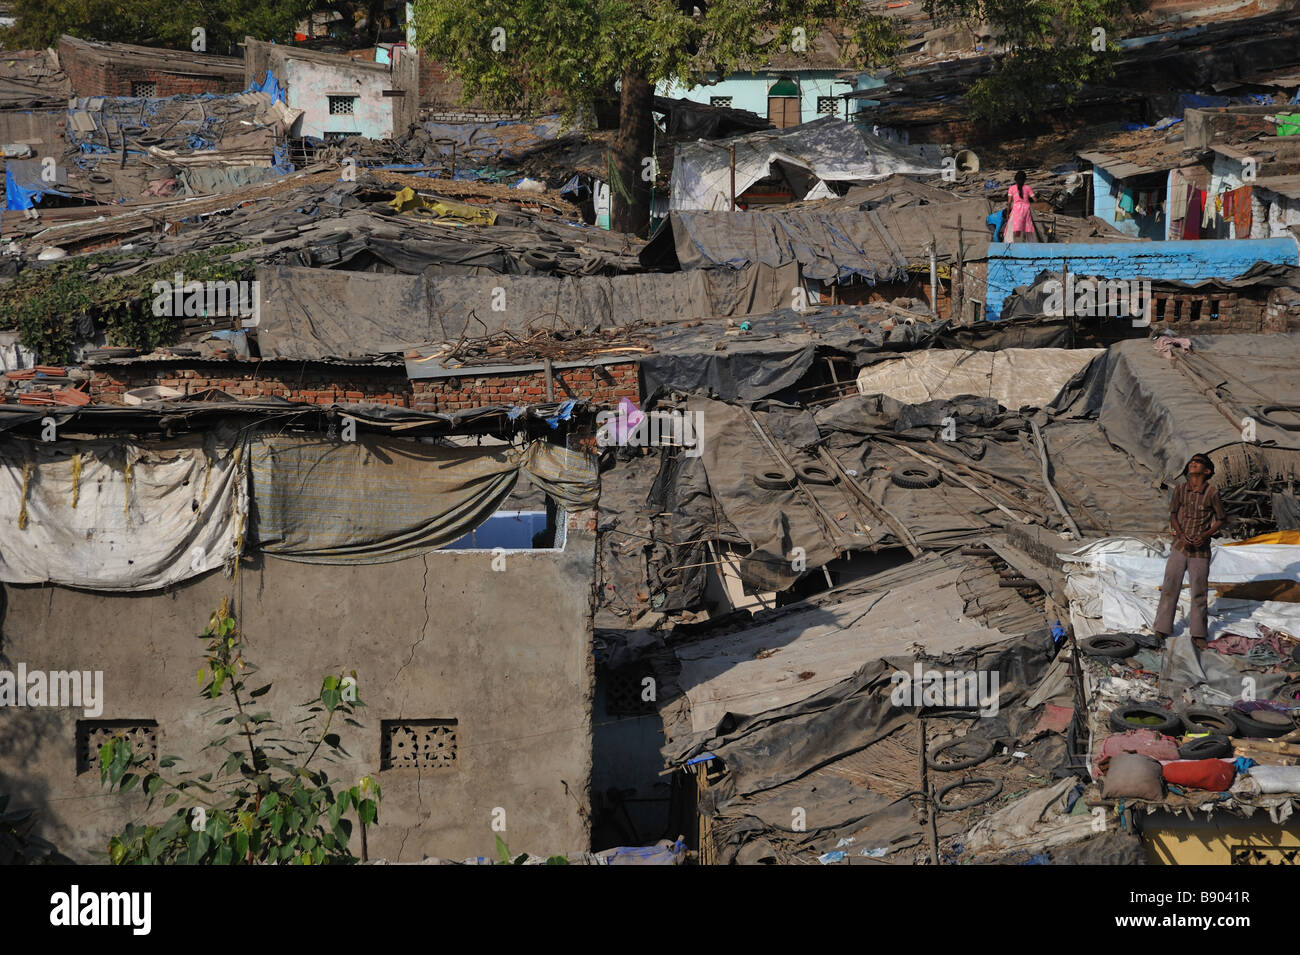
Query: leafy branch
{"points": [[265, 803]]}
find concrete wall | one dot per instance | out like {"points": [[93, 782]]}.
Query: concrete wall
{"points": [[1013, 264], [749, 91], [309, 85], [507, 654]]}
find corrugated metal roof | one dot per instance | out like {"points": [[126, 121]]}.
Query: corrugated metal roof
{"points": [[1123, 169]]}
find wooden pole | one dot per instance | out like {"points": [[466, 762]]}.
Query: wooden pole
{"points": [[731, 151]]}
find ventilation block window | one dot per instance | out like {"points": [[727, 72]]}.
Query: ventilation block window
{"points": [[630, 691], [724, 101], [828, 106], [92, 734], [342, 105], [418, 744], [144, 89]]}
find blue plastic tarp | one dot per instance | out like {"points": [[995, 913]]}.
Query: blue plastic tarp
{"points": [[24, 186], [270, 86]]}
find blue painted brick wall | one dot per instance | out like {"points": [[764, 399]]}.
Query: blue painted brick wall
{"points": [[1017, 263]]}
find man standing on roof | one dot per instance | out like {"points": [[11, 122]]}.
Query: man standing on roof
{"points": [[1021, 226], [1195, 516]]}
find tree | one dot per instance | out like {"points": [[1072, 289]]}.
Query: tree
{"points": [[162, 23], [519, 52], [1054, 47], [272, 805]]}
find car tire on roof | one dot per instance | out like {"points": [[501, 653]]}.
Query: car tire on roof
{"points": [[815, 474], [1113, 645], [916, 476], [1208, 719], [984, 749], [977, 801], [1144, 716], [1214, 746], [772, 480], [1262, 724]]}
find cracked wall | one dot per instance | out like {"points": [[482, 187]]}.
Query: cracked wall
{"points": [[505, 653]]}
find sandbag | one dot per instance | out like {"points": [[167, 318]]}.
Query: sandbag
{"points": [[1276, 779], [1214, 775], [1130, 776]]}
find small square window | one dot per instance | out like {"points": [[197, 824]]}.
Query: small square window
{"points": [[724, 101], [828, 106], [342, 105], [92, 734], [418, 744], [144, 90]]}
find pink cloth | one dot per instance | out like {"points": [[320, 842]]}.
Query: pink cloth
{"points": [[1143, 742], [1164, 345], [1021, 220]]}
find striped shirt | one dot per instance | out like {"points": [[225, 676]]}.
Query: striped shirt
{"points": [[1195, 511]]}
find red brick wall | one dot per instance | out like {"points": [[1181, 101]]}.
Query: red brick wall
{"points": [[603, 384], [91, 79], [324, 384]]}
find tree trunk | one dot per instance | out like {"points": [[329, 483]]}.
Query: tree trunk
{"points": [[630, 196]]}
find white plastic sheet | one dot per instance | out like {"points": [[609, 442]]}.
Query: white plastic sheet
{"points": [[117, 516], [1015, 377]]}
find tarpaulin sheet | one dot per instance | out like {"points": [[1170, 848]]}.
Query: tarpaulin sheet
{"points": [[314, 314], [872, 240], [1114, 586], [375, 500], [1160, 416], [24, 185], [117, 515], [1015, 377], [789, 755], [827, 149]]}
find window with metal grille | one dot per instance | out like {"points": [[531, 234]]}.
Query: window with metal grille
{"points": [[92, 734], [144, 89], [342, 105], [418, 744], [724, 101], [828, 106]]}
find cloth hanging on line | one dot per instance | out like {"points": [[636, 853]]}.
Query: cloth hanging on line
{"points": [[1192, 223], [1240, 214]]}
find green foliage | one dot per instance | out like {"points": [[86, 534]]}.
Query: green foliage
{"points": [[579, 49], [45, 303], [1050, 54], [161, 23], [263, 803]]}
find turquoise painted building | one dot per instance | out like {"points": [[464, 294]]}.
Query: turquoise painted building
{"points": [[785, 97]]}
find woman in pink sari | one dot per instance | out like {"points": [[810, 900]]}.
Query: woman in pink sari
{"points": [[1021, 226]]}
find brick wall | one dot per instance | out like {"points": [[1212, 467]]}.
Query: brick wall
{"points": [[603, 384], [91, 79], [330, 384], [1247, 311], [1014, 264]]}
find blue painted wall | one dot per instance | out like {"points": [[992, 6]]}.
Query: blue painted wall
{"points": [[749, 91], [1104, 206], [1018, 263]]}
